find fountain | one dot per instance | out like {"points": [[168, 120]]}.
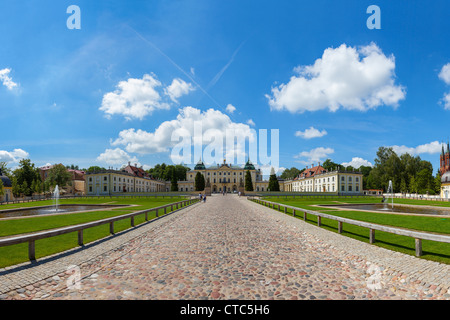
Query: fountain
{"points": [[56, 197], [391, 190]]}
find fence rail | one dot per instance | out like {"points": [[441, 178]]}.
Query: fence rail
{"points": [[131, 195], [418, 236], [31, 238]]}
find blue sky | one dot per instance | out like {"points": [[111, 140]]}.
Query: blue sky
{"points": [[114, 90]]}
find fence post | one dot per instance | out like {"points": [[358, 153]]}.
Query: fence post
{"points": [[304, 215], [80, 238], [31, 250], [339, 226], [418, 247], [293, 212], [111, 227], [132, 221], [156, 212], [319, 221], [372, 236]]}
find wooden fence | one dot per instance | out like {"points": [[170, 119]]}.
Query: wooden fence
{"points": [[31, 238], [418, 236]]}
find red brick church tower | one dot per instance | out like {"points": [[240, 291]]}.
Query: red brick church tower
{"points": [[445, 160]]}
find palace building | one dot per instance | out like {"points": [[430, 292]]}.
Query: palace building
{"points": [[225, 177], [445, 172], [318, 180], [7, 188], [131, 179]]}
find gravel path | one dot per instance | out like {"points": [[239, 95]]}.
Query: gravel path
{"points": [[232, 248]]}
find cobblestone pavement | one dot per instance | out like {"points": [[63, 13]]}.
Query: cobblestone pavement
{"points": [[232, 248]]}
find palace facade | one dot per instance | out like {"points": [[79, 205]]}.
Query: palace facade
{"points": [[318, 180], [225, 177], [445, 172], [131, 179], [7, 188]]}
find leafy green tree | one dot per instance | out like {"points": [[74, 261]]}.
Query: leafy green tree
{"points": [[173, 178], [26, 173], [437, 183], [273, 181], [403, 186], [331, 166], [199, 182], [93, 169], [59, 175], [248, 181], [2, 190], [290, 173], [24, 189], [15, 186], [413, 185]]}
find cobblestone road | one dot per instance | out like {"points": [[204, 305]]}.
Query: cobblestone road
{"points": [[231, 248]]}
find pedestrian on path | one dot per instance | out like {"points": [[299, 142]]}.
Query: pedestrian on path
{"points": [[204, 198]]}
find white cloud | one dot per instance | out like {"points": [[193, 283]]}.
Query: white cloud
{"points": [[311, 133], [444, 75], [177, 89], [13, 156], [446, 101], [357, 162], [315, 155], [230, 108], [211, 124], [116, 156], [431, 148], [137, 98], [6, 79], [346, 77], [250, 122]]}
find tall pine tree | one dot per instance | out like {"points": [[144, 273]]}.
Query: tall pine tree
{"points": [[248, 181]]}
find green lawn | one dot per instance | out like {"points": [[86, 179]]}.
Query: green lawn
{"points": [[15, 254], [432, 250]]}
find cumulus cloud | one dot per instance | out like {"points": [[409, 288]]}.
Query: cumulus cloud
{"points": [[6, 79], [177, 89], [444, 75], [250, 122], [137, 98], [314, 155], [357, 162], [311, 133], [13, 156], [230, 108], [202, 126], [345, 77], [116, 157], [430, 148]]}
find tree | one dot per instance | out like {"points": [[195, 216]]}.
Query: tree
{"points": [[26, 173], [58, 175], [2, 190], [199, 182], [94, 169], [437, 183], [273, 181], [331, 166], [291, 173], [174, 181], [15, 186], [248, 181], [403, 186]]}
